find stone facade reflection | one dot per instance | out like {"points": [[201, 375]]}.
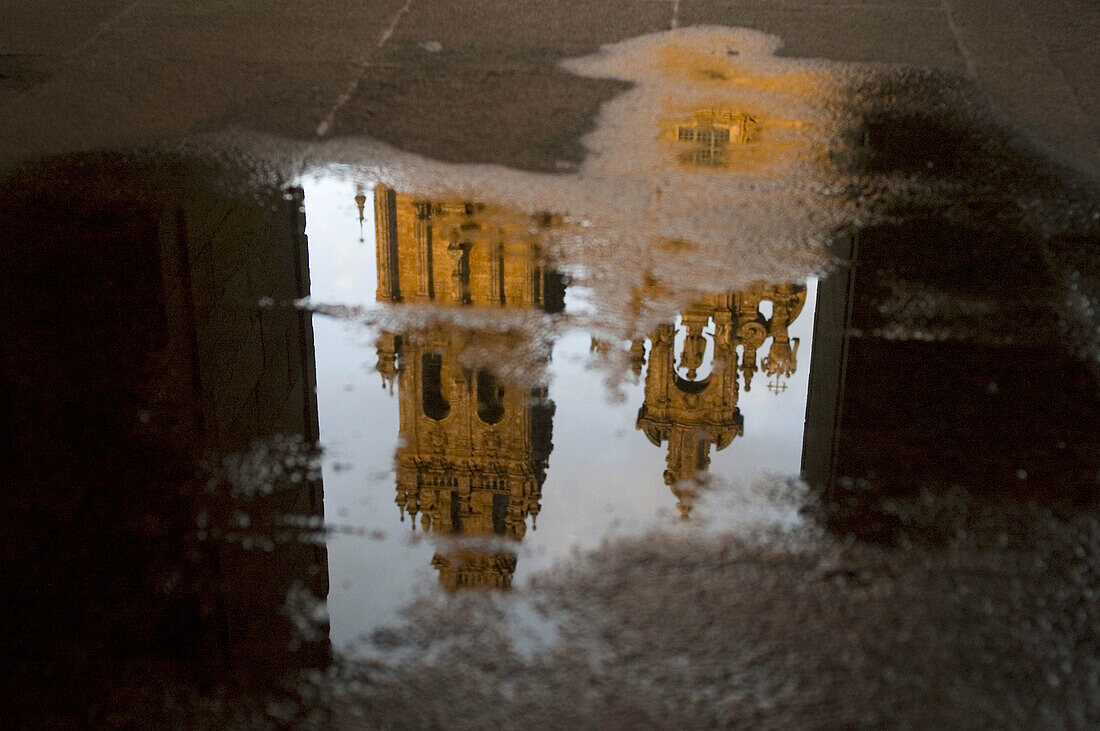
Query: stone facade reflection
{"points": [[692, 413], [724, 140], [474, 447], [707, 136]]}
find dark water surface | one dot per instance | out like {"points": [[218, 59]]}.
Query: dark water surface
{"points": [[272, 442]]}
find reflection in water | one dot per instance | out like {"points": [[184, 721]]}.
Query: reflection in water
{"points": [[474, 448], [163, 424], [692, 414], [136, 354], [986, 420], [733, 140], [711, 133], [461, 253]]}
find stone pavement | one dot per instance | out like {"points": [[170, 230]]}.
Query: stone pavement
{"points": [[476, 80]]}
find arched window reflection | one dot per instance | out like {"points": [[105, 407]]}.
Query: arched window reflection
{"points": [[490, 398], [500, 512], [435, 406]]}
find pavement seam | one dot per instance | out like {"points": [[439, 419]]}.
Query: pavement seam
{"points": [[1044, 50], [326, 124], [103, 29], [983, 72], [971, 68], [69, 58]]}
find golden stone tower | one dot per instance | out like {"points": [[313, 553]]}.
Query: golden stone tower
{"points": [[474, 448], [693, 414]]}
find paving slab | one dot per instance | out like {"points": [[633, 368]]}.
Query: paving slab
{"points": [[432, 77], [490, 109], [168, 69], [480, 82], [565, 27], [56, 26], [113, 101], [890, 33], [1052, 94]]}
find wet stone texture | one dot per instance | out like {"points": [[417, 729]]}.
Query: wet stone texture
{"points": [[148, 355], [123, 72], [837, 636], [532, 365]]}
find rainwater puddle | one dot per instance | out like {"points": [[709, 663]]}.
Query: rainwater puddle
{"points": [[538, 434], [798, 346]]}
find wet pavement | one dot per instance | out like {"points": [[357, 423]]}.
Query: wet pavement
{"points": [[603, 375]]}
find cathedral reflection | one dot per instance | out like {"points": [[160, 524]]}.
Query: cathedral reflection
{"points": [[694, 413], [474, 447]]}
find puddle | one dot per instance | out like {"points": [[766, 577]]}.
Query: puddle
{"points": [[511, 429], [798, 346]]}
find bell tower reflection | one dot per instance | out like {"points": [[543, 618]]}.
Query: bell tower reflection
{"points": [[474, 446], [694, 414]]}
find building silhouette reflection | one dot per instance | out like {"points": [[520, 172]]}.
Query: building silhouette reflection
{"points": [[137, 363], [994, 416], [474, 446]]}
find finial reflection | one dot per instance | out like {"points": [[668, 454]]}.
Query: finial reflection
{"points": [[360, 204]]}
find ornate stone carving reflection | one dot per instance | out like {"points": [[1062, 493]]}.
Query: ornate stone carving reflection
{"points": [[693, 412], [474, 447]]}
